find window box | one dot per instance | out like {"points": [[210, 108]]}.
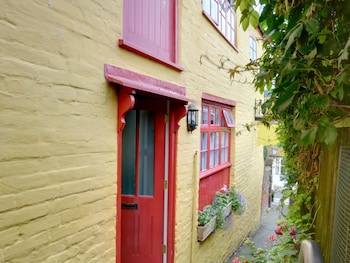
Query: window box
{"points": [[226, 210], [206, 222], [204, 231]]}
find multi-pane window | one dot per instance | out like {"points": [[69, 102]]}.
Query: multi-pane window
{"points": [[215, 136], [221, 14], [252, 48]]}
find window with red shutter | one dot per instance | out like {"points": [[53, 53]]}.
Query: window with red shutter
{"points": [[150, 29]]}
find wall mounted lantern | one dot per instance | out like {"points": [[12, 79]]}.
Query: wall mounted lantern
{"points": [[192, 117]]}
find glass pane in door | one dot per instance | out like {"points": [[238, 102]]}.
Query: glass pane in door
{"points": [[146, 165], [129, 154]]}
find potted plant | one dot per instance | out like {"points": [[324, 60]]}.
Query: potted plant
{"points": [[222, 204], [237, 200], [225, 201], [206, 222]]}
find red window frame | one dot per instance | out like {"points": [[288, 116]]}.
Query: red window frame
{"points": [[215, 160], [222, 15], [150, 29], [216, 122]]}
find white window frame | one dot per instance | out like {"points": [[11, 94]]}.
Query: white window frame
{"points": [[222, 15], [253, 52]]}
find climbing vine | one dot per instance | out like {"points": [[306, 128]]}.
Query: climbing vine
{"points": [[305, 65]]}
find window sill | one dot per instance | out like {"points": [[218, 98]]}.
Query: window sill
{"points": [[214, 170], [130, 47]]}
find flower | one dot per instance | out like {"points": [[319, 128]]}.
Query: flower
{"points": [[236, 260], [224, 189], [278, 231], [272, 238], [293, 231]]}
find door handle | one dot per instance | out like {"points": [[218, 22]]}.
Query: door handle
{"points": [[131, 206]]}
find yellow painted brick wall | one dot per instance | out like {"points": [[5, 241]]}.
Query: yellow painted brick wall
{"points": [[198, 37], [58, 131]]}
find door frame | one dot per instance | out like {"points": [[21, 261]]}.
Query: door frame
{"points": [[129, 84]]}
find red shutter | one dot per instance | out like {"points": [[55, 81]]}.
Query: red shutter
{"points": [[149, 26]]}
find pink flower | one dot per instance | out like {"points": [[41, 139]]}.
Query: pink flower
{"points": [[224, 188], [236, 260], [272, 238], [293, 231], [278, 231]]}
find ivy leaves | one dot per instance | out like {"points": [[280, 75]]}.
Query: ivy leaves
{"points": [[305, 65], [324, 130], [249, 15]]}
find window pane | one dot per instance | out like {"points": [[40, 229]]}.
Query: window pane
{"points": [[230, 122], [204, 148], [212, 158], [224, 147], [224, 139], [214, 10], [206, 6], [212, 140], [216, 157], [203, 161], [224, 155], [205, 115], [253, 51], [214, 149], [214, 116], [216, 140], [129, 154], [146, 166], [204, 141]]}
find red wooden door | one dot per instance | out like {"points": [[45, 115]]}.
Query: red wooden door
{"points": [[142, 187]]}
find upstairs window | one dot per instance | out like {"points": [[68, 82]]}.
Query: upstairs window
{"points": [[221, 14], [252, 48], [150, 29]]}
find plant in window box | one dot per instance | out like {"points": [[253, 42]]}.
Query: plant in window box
{"points": [[222, 204], [238, 200], [206, 222], [227, 200]]}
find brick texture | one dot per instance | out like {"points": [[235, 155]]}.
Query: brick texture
{"points": [[58, 131]]}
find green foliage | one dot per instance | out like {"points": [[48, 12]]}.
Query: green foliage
{"points": [[205, 216], [221, 199], [224, 197], [285, 246], [305, 65]]}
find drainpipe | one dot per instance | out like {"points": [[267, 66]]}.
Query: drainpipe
{"points": [[194, 206]]}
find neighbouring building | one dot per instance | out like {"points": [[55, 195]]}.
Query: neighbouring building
{"points": [[99, 160]]}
